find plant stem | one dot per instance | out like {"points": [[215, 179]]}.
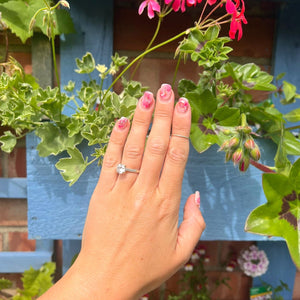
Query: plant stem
{"points": [[149, 45], [261, 167], [145, 53], [176, 71]]}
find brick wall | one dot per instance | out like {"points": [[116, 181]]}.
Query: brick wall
{"points": [[155, 69]]}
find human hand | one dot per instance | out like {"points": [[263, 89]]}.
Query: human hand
{"points": [[131, 240]]}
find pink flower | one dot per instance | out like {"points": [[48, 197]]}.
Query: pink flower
{"points": [[237, 156], [153, 6], [180, 4], [237, 17]]}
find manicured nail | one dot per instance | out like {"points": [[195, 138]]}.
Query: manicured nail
{"points": [[122, 123], [165, 91], [197, 198], [147, 100], [183, 105]]}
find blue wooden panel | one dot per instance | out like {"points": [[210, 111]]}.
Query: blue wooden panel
{"points": [[281, 267], [93, 21], [18, 262], [287, 49], [13, 188]]}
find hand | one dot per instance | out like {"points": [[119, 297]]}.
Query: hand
{"points": [[131, 240]]}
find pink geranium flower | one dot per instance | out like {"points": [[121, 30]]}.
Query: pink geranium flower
{"points": [[180, 4], [153, 6], [238, 17]]}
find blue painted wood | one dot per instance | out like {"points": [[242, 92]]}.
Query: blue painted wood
{"points": [[70, 249], [13, 188], [281, 267], [54, 209], [18, 262], [93, 21], [287, 50]]}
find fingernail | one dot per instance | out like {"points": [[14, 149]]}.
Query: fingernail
{"points": [[147, 100], [122, 123], [197, 198], [165, 91], [183, 105]]}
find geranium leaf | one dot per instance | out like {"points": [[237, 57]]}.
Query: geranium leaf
{"points": [[73, 166], [54, 140], [8, 141], [293, 116], [280, 216], [85, 65]]}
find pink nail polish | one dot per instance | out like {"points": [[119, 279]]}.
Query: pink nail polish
{"points": [[183, 105], [165, 91], [197, 198], [147, 100], [122, 123]]}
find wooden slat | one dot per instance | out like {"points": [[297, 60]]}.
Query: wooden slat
{"points": [[13, 188], [18, 262]]}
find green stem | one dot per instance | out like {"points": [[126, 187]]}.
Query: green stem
{"points": [[176, 71], [149, 45], [145, 53], [56, 69], [90, 162]]}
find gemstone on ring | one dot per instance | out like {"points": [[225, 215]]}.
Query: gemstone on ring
{"points": [[121, 169]]}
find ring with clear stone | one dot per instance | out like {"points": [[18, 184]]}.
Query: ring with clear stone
{"points": [[121, 169]]}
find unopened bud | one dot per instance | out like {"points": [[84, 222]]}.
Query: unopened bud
{"points": [[228, 156], [65, 3], [224, 146], [32, 23], [244, 164], [233, 142], [255, 153], [237, 156], [226, 131], [249, 144]]}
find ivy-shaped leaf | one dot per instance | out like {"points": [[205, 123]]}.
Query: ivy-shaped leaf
{"points": [[293, 116], [86, 65], [73, 166], [280, 216], [8, 141], [54, 140]]}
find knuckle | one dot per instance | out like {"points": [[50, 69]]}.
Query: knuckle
{"points": [[177, 155], [109, 162], [133, 151], [157, 146], [162, 114]]}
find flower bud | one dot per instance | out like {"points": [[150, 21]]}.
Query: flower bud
{"points": [[233, 142], [249, 144], [224, 146], [237, 156], [244, 164], [228, 156], [255, 153], [65, 3]]}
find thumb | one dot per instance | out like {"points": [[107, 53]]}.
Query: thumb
{"points": [[190, 229]]}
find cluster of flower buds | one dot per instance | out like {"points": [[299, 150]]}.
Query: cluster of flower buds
{"points": [[198, 253], [240, 148]]}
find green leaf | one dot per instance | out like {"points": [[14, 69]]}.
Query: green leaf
{"points": [[293, 116], [185, 86], [86, 65], [203, 102], [54, 140], [70, 86], [8, 141], [227, 116], [36, 282], [290, 143], [5, 283], [73, 166], [289, 91], [280, 216]]}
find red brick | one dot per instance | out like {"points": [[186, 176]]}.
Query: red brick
{"points": [[18, 241], [13, 212], [17, 162], [296, 292], [24, 59], [15, 278]]}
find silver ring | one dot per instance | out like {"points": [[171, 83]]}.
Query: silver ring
{"points": [[121, 169], [182, 136]]}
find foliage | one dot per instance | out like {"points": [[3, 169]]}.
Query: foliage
{"points": [[223, 110], [35, 282], [194, 282]]}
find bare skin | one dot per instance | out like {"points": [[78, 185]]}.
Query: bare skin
{"points": [[131, 241]]}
